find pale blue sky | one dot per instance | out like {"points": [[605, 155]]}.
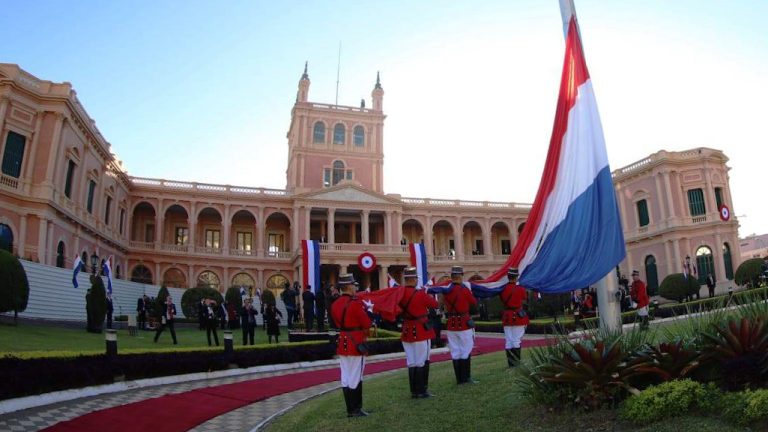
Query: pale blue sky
{"points": [[201, 90]]}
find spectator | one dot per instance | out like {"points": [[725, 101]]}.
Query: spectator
{"points": [[711, 284], [248, 321], [309, 307], [320, 308], [211, 322], [272, 316], [110, 310], [201, 310], [222, 313], [289, 299], [141, 313]]}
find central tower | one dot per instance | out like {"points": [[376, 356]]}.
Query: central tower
{"points": [[329, 144]]}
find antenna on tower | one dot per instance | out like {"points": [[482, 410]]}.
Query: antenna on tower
{"points": [[338, 71]]}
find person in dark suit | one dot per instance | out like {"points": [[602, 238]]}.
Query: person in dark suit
{"points": [[711, 284], [309, 307], [272, 316], [248, 321], [201, 309], [211, 322], [222, 314], [167, 318], [141, 313], [110, 310], [320, 307]]}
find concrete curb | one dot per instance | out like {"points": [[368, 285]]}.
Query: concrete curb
{"points": [[12, 405]]}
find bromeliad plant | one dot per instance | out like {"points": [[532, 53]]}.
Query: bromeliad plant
{"points": [[668, 360], [740, 349]]}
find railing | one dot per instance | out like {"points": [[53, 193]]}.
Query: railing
{"points": [[242, 252], [9, 181], [443, 258], [142, 245], [175, 248], [279, 255], [359, 247], [699, 219], [476, 257], [205, 187], [208, 250], [696, 153], [463, 203], [340, 108]]}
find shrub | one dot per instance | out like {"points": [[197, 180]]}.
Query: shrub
{"points": [[233, 297], [749, 272], [268, 297], [740, 350], [160, 301], [668, 361], [664, 401], [677, 287], [756, 406], [96, 304], [192, 296], [549, 305], [14, 287]]}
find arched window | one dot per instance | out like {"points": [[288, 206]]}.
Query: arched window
{"points": [[642, 213], [60, 253], [705, 263], [243, 280], [6, 238], [727, 261], [319, 133], [208, 279], [338, 133], [276, 283], [338, 172], [141, 274], [174, 278], [359, 136], [651, 275]]}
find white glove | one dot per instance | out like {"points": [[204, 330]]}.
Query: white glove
{"points": [[368, 305]]}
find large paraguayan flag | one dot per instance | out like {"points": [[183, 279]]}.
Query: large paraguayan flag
{"points": [[106, 270], [76, 267], [310, 261], [419, 260], [573, 235]]}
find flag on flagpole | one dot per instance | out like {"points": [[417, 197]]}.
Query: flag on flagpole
{"points": [[310, 260], [391, 282], [573, 236], [419, 260], [107, 271], [76, 267]]}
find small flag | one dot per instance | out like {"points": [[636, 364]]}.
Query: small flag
{"points": [[419, 260], [107, 271], [76, 267], [310, 260]]}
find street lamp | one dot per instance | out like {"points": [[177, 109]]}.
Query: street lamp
{"points": [[94, 262]]}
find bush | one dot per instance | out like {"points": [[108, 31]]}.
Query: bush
{"points": [[160, 301], [749, 272], [677, 287], [549, 305], [96, 304], [665, 400], [268, 297], [192, 296], [14, 287], [234, 298]]}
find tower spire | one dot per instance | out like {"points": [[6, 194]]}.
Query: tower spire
{"points": [[305, 75], [378, 81]]}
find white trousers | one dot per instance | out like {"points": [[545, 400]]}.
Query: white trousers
{"points": [[643, 311], [351, 370], [460, 343], [416, 353], [513, 335]]}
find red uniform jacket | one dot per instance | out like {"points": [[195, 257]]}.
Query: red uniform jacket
{"points": [[353, 322], [512, 297], [639, 294], [457, 302], [415, 304]]}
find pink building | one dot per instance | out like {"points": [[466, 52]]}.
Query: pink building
{"points": [[63, 193]]}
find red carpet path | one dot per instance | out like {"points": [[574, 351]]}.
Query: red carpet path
{"points": [[183, 411]]}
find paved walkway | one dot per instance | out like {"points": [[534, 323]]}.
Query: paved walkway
{"points": [[248, 418]]}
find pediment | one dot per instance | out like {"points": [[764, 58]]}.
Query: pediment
{"points": [[349, 194]]}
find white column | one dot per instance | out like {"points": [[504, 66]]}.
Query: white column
{"points": [[307, 216], [487, 249], [668, 187], [428, 237], [623, 208], [331, 225], [159, 277], [30, 165], [159, 222], [365, 228], [659, 200], [191, 276], [383, 272], [717, 255], [399, 228], [260, 279], [459, 239], [53, 155], [42, 239], [261, 226], [227, 229], [709, 193], [192, 226], [295, 229], [388, 228], [22, 245]]}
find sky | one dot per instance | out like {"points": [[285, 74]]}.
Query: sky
{"points": [[202, 91]]}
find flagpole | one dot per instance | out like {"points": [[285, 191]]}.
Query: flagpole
{"points": [[608, 306]]}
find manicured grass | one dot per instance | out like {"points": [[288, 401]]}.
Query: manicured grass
{"points": [[29, 338], [488, 406]]}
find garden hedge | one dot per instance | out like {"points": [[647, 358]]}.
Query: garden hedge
{"points": [[14, 287]]}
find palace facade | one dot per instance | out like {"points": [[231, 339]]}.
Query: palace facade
{"points": [[63, 193]]}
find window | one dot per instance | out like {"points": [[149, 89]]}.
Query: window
{"points": [[212, 238], [141, 274], [60, 253], [705, 263], [338, 133], [275, 244], [91, 190], [122, 220], [359, 136], [208, 279], [327, 177], [506, 247], [182, 236], [318, 136], [149, 233], [349, 175], [642, 212], [338, 172], [651, 275], [6, 238], [106, 209], [696, 202], [14, 154], [244, 241], [727, 261], [718, 197], [68, 180]]}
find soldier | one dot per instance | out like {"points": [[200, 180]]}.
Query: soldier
{"points": [[350, 315], [639, 295], [515, 318], [460, 326], [417, 333]]}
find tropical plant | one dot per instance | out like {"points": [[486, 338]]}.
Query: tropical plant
{"points": [[740, 349], [678, 287], [749, 272], [14, 287], [668, 360]]}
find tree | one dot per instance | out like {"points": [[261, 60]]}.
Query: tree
{"points": [[14, 286], [160, 301], [677, 287], [234, 298], [268, 297], [192, 296], [749, 272], [96, 304]]}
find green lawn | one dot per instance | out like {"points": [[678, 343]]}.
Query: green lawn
{"points": [[489, 406], [29, 338]]}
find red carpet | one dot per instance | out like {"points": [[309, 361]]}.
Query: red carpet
{"points": [[183, 411]]}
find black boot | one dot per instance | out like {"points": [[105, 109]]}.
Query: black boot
{"points": [[458, 371], [412, 381], [348, 401], [421, 383], [358, 400], [518, 353], [425, 374], [510, 357], [644, 323], [468, 371]]}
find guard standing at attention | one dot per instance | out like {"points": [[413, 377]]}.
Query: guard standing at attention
{"points": [[515, 317], [460, 326], [417, 332]]}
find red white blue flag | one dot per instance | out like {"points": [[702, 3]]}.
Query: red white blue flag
{"points": [[310, 260], [573, 235], [106, 270], [419, 260], [76, 267]]}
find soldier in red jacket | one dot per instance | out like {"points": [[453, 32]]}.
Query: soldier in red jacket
{"points": [[515, 317], [353, 321], [460, 326], [417, 332], [639, 295]]}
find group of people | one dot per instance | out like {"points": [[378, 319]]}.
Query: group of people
{"points": [[354, 317], [313, 308]]}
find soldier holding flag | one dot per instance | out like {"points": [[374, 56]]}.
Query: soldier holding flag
{"points": [[460, 326], [417, 333], [515, 318]]}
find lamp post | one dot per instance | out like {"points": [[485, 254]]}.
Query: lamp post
{"points": [[228, 346], [94, 262], [111, 338]]}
